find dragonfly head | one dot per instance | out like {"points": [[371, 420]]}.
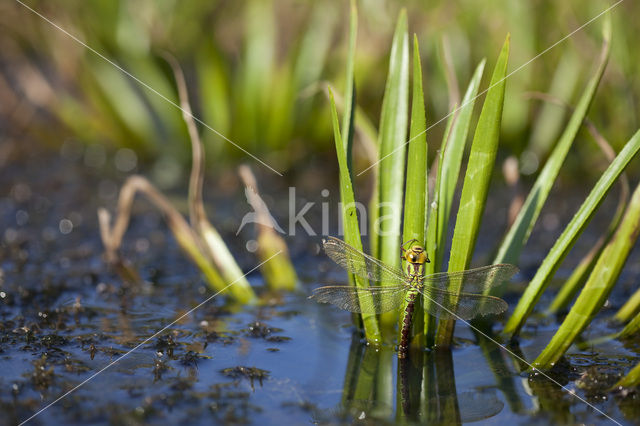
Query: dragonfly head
{"points": [[416, 255]]}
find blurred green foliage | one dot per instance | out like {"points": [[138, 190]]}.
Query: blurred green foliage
{"points": [[256, 69]]}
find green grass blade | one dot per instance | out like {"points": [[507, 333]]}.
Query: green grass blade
{"points": [[548, 122], [417, 188], [597, 289], [476, 182], [257, 72], [632, 379], [453, 150], [630, 308], [350, 219], [581, 272], [516, 238], [568, 238], [631, 328], [350, 89], [393, 137], [214, 95], [430, 321]]}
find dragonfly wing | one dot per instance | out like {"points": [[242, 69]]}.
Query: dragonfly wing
{"points": [[464, 306], [369, 300], [473, 280], [361, 264]]}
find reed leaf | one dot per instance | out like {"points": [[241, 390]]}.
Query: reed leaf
{"points": [[633, 327], [350, 219], [476, 183], [568, 238], [393, 133], [452, 151], [630, 308], [632, 379], [417, 186]]}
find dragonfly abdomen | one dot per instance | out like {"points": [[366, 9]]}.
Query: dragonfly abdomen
{"points": [[403, 345]]}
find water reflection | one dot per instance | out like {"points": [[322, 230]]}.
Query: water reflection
{"points": [[424, 392]]}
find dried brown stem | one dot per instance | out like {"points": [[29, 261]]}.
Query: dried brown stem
{"points": [[112, 236], [196, 179]]}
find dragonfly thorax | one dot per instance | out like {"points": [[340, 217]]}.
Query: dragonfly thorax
{"points": [[416, 255]]}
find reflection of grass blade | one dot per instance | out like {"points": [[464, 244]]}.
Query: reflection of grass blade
{"points": [[476, 182], [350, 219], [393, 133], [416, 193], [598, 287], [568, 238], [519, 232], [497, 364]]}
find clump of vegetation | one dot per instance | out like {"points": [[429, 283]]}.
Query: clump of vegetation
{"points": [[198, 238], [427, 205]]}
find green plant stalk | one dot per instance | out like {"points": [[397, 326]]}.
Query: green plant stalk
{"points": [[632, 379], [417, 186], [630, 308], [598, 286], [631, 328], [348, 118], [393, 133], [350, 220], [518, 234], [433, 209], [569, 236], [451, 161], [476, 183]]}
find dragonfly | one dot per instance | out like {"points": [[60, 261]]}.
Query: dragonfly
{"points": [[398, 286]]}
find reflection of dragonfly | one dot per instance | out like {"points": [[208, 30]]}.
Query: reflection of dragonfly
{"points": [[398, 287]]}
